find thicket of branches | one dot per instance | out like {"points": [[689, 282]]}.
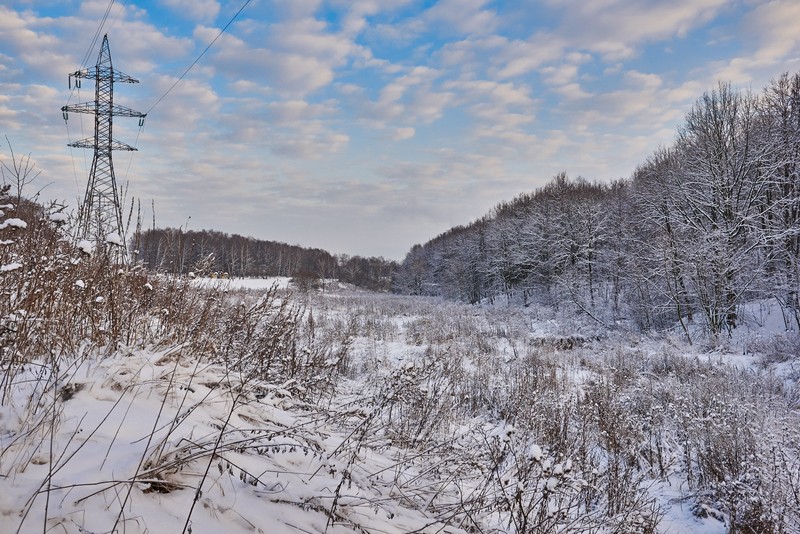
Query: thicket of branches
{"points": [[701, 227]]}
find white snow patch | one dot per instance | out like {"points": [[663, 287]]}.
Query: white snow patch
{"points": [[282, 282], [13, 223], [114, 239], [87, 247]]}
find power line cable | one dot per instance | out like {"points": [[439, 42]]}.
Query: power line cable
{"points": [[198, 58], [121, 11], [97, 33], [135, 144], [93, 43], [72, 155]]}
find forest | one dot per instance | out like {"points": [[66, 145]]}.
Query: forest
{"points": [[212, 253], [701, 227]]}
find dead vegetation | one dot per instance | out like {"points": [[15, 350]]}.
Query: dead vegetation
{"points": [[371, 412]]}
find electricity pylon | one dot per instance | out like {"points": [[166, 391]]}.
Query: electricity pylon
{"points": [[101, 214]]}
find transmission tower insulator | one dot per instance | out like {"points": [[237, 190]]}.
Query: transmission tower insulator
{"points": [[101, 213]]}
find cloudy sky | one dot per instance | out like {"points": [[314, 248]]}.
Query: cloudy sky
{"points": [[365, 126]]}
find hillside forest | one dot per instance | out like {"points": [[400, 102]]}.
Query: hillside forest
{"points": [[701, 227]]}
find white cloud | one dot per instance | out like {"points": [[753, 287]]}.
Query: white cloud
{"points": [[289, 112], [463, 16], [771, 40], [298, 55], [302, 103], [190, 102], [410, 97], [642, 80], [293, 9], [309, 37], [197, 10], [289, 74], [521, 57], [560, 75], [774, 25], [427, 106], [401, 134], [355, 20], [397, 33], [616, 28], [468, 57], [311, 146]]}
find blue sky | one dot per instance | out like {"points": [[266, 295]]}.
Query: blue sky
{"points": [[365, 126]]}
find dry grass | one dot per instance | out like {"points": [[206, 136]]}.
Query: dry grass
{"points": [[489, 426]]}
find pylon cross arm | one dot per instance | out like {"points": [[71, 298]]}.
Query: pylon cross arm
{"points": [[104, 74], [91, 107], [124, 78], [122, 111], [115, 145]]}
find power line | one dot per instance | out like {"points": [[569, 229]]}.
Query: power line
{"points": [[97, 33], [198, 58], [72, 156], [121, 11], [135, 146]]}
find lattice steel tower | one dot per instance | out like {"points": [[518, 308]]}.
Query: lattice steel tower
{"points": [[101, 213]]}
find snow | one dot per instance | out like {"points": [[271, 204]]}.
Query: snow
{"points": [[281, 282], [87, 247], [535, 453], [141, 433], [120, 411], [13, 223], [59, 217], [13, 266], [678, 516], [114, 239]]}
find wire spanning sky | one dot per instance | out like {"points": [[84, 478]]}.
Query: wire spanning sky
{"points": [[365, 126]]}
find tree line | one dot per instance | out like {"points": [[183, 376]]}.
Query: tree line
{"points": [[212, 253], [701, 227]]}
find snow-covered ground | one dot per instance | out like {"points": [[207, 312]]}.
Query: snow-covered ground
{"points": [[414, 415], [139, 438], [282, 282]]}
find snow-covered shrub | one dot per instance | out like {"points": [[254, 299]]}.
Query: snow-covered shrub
{"points": [[776, 348], [424, 400], [530, 489], [59, 300]]}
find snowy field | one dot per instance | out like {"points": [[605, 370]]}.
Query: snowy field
{"points": [[281, 282], [266, 411]]}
